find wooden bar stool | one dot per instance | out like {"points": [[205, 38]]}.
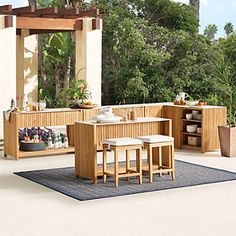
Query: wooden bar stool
{"points": [[159, 141], [127, 144]]}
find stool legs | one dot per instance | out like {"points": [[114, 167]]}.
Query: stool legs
{"points": [[149, 150], [139, 163], [127, 162], [173, 162], [160, 159], [128, 173], [104, 164], [170, 168], [116, 168]]}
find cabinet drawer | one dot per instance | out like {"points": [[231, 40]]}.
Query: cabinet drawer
{"points": [[66, 118]]}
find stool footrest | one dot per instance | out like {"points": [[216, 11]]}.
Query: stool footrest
{"points": [[133, 173]]}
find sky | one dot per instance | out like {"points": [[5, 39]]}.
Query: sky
{"points": [[217, 12]]}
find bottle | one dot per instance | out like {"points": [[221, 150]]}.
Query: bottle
{"points": [[56, 143], [133, 115], [27, 138], [66, 144], [59, 141], [50, 145], [13, 104], [25, 103]]}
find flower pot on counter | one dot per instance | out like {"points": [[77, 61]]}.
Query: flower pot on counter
{"points": [[227, 137]]}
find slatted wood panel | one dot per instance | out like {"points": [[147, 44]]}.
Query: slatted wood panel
{"points": [[132, 130], [121, 111], [211, 119], [11, 137], [33, 119], [88, 113], [175, 113], [153, 111], [66, 118], [85, 151]]}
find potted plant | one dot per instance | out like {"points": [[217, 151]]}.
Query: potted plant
{"points": [[77, 92], [225, 81]]}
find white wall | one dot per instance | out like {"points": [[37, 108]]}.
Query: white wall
{"points": [[27, 66], [89, 57], [7, 68]]}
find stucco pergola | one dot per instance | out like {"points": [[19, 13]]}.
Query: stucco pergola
{"points": [[19, 29]]}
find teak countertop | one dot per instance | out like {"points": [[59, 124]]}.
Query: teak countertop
{"points": [[138, 120]]}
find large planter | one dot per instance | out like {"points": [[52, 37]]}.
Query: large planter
{"points": [[227, 137], [32, 147]]}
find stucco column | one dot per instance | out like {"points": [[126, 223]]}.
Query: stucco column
{"points": [[27, 66], [7, 67], [89, 57]]}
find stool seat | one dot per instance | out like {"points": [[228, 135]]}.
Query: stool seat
{"points": [[122, 141], [156, 139]]}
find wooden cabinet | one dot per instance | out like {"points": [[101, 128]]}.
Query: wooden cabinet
{"points": [[37, 119], [209, 120]]}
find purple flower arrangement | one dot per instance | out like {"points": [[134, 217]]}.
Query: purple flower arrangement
{"points": [[43, 133]]}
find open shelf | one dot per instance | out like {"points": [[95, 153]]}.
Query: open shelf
{"points": [[192, 134], [196, 121], [186, 146], [47, 152]]}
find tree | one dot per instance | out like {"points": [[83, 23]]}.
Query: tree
{"points": [[58, 52], [229, 28], [32, 3], [196, 6], [226, 85], [210, 31]]}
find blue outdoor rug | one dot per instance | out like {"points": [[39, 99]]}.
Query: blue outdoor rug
{"points": [[64, 181]]}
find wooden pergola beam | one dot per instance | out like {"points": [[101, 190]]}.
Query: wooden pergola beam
{"points": [[47, 11], [5, 9], [37, 23], [8, 21], [23, 10], [32, 32]]}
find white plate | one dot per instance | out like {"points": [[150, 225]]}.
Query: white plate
{"points": [[109, 120]]}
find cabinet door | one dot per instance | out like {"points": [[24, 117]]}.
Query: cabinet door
{"points": [[211, 119], [175, 113], [153, 111], [66, 117]]}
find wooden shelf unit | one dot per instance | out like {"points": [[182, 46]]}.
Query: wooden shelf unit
{"points": [[185, 146], [194, 121], [47, 152], [52, 117], [191, 134], [212, 117]]}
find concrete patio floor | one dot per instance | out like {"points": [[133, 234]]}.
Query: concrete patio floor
{"points": [[27, 208]]}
